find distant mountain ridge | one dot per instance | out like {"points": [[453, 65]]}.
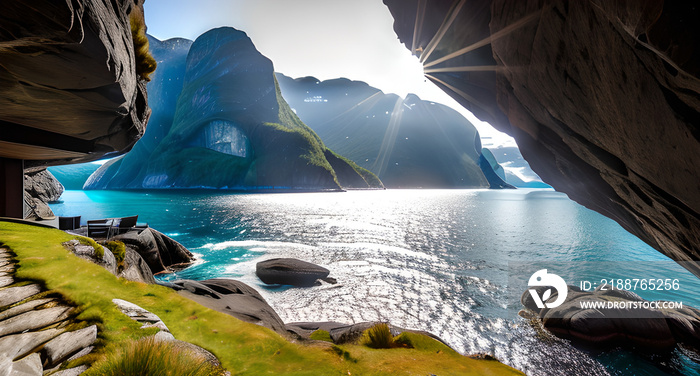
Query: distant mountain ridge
{"points": [[426, 145], [219, 121], [407, 142]]}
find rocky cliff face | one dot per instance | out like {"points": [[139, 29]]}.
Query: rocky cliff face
{"points": [[40, 188], [69, 91], [602, 98], [407, 142], [220, 122]]}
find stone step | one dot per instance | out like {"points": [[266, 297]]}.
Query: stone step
{"points": [[22, 308], [28, 366], [7, 269], [14, 347], [6, 281], [33, 320], [67, 344], [71, 371], [12, 295]]}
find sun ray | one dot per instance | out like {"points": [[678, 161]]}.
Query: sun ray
{"points": [[360, 103], [463, 94], [474, 68], [446, 23], [418, 25], [497, 35], [389, 140]]}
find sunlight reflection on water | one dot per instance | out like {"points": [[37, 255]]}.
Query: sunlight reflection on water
{"points": [[435, 260]]}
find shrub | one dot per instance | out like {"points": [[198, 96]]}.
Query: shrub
{"points": [[145, 63], [99, 251], [118, 249], [148, 356], [379, 337], [321, 335]]}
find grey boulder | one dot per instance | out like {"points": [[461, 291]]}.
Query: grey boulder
{"points": [[87, 252], [233, 298], [637, 327], [289, 271], [135, 268], [158, 250]]}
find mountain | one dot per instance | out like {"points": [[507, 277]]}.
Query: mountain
{"points": [[407, 142], [219, 121], [516, 170], [73, 176]]}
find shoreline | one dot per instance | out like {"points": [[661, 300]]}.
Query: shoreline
{"points": [[211, 325]]}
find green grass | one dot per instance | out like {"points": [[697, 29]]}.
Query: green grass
{"points": [[380, 337], [118, 249], [147, 356], [242, 348], [321, 335], [99, 251]]}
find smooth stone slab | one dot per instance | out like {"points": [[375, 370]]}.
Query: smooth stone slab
{"points": [[22, 308], [28, 366], [71, 371], [81, 353], [135, 312], [20, 345], [12, 295], [68, 344], [33, 320], [6, 280]]}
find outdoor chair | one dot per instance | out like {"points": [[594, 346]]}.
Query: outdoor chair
{"points": [[125, 224], [100, 228]]}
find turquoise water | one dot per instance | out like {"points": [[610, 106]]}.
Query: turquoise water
{"points": [[437, 260]]}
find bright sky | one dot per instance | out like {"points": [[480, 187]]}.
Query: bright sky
{"points": [[322, 38]]}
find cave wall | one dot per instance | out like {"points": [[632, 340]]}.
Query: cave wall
{"points": [[69, 91], [602, 98]]}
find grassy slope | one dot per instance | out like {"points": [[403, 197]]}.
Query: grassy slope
{"points": [[244, 349]]}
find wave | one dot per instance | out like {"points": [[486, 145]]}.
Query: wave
{"points": [[254, 245]]}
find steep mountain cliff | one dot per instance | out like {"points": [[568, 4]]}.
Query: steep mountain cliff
{"points": [[406, 142], [219, 121], [602, 97]]}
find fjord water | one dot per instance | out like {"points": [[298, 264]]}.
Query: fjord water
{"points": [[436, 260]]}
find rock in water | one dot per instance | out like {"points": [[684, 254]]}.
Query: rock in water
{"points": [[603, 98], [640, 327], [289, 271], [222, 123]]}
